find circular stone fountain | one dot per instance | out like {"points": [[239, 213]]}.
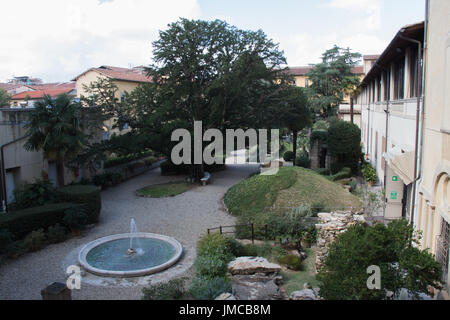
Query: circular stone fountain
{"points": [[132, 254]]}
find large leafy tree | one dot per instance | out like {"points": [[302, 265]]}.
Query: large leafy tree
{"points": [[56, 127], [295, 113], [332, 79], [206, 71], [4, 98], [394, 249]]}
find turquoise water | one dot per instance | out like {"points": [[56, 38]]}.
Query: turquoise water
{"points": [[112, 255]]}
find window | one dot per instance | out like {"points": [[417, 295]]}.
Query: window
{"points": [[379, 89], [387, 85], [399, 79], [413, 72]]}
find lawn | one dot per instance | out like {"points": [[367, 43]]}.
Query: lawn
{"points": [[171, 189], [290, 187]]}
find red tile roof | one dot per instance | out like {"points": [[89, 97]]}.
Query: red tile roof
{"points": [[52, 86], [12, 86], [124, 74], [39, 94]]}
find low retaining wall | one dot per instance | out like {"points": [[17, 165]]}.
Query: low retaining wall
{"points": [[330, 226]]}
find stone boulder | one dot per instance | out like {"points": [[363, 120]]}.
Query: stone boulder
{"points": [[252, 265], [306, 294], [255, 278], [226, 296]]}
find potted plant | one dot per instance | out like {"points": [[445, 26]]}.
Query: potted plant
{"points": [[369, 174], [75, 219]]}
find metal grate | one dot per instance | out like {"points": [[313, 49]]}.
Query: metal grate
{"points": [[443, 244]]}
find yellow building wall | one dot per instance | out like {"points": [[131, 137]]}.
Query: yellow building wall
{"points": [[434, 190]]}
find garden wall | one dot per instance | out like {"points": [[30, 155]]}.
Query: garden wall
{"points": [[330, 226]]}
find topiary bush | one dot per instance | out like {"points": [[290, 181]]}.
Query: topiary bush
{"points": [[344, 144], [6, 239], [34, 241], [88, 196], [56, 234], [75, 218], [303, 160], [172, 290], [288, 156], [343, 174], [204, 288], [20, 223]]}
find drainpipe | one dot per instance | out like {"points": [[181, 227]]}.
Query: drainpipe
{"points": [[419, 86], [3, 172]]}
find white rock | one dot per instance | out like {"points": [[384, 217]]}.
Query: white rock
{"points": [[252, 265]]}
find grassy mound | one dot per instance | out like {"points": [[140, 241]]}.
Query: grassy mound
{"points": [[251, 199], [163, 190]]}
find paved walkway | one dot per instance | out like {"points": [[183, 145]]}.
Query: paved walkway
{"points": [[185, 217]]}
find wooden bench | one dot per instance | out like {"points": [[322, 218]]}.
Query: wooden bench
{"points": [[206, 179]]}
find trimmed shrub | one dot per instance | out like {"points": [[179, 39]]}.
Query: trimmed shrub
{"points": [[56, 234], [34, 241], [172, 290], [288, 156], [34, 194], [75, 218], [343, 174], [112, 162], [6, 239], [291, 261], [323, 171], [203, 288], [344, 144], [88, 196], [303, 160], [20, 223]]}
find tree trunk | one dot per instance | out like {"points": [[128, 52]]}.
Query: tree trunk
{"points": [[60, 172], [295, 134]]}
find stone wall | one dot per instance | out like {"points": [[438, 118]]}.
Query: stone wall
{"points": [[330, 226]]}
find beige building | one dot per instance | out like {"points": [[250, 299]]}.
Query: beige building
{"points": [[432, 216], [126, 80]]}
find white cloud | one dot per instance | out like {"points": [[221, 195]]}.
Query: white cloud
{"points": [[57, 40], [304, 49], [368, 12]]}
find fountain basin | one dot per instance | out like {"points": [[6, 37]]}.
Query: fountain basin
{"points": [[108, 256]]}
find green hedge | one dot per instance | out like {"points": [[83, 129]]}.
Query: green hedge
{"points": [[21, 223], [87, 195], [168, 168], [109, 163], [343, 174]]}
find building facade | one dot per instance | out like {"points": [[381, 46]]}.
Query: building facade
{"points": [[432, 216], [389, 101]]}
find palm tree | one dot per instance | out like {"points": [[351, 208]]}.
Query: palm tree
{"points": [[55, 127]]}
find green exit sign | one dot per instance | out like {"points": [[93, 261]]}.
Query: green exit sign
{"points": [[394, 195], [394, 178]]}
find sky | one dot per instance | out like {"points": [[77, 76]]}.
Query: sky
{"points": [[57, 40]]}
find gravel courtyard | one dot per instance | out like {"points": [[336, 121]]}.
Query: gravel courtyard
{"points": [[185, 217]]}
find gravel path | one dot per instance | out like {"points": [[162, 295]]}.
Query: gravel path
{"points": [[185, 217]]}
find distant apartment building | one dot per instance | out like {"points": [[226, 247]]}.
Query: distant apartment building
{"points": [[27, 99], [301, 80], [126, 80]]}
